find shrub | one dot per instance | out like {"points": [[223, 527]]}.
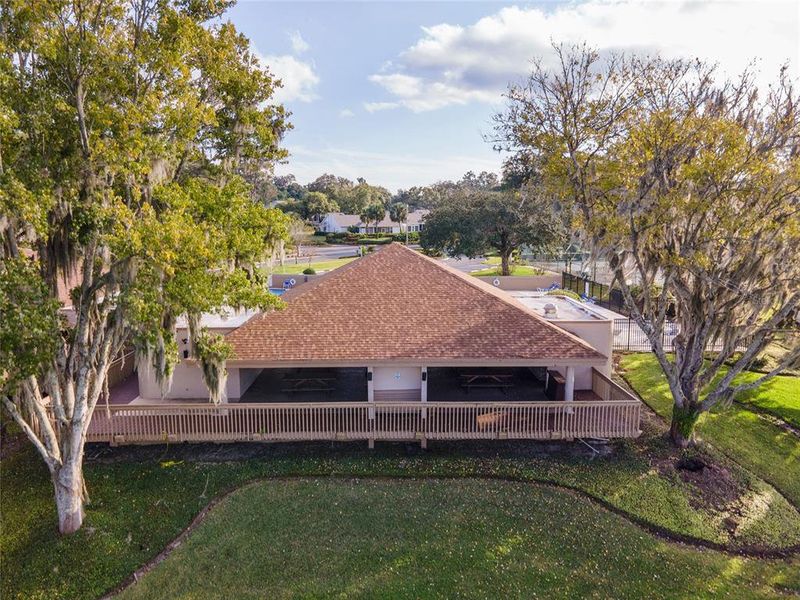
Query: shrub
{"points": [[309, 271], [413, 237], [567, 293]]}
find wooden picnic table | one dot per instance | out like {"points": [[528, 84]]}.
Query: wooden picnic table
{"points": [[310, 382], [487, 379]]}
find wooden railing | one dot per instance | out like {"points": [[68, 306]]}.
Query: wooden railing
{"points": [[606, 389], [131, 424]]}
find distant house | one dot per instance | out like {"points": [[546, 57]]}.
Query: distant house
{"points": [[337, 222]]}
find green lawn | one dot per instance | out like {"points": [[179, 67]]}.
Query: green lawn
{"points": [[291, 268], [768, 450], [515, 270], [779, 396], [438, 539], [145, 497]]}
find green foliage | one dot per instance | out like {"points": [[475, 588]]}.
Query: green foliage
{"points": [[212, 351], [138, 140], [309, 271], [472, 223], [29, 322], [149, 169], [398, 212], [694, 191], [373, 213], [567, 293], [318, 204]]}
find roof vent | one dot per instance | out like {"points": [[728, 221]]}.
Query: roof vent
{"points": [[550, 311]]}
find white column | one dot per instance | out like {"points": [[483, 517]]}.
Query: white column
{"points": [[371, 400], [569, 387], [423, 396], [370, 391], [569, 384]]}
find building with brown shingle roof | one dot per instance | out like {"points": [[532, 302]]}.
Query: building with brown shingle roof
{"points": [[398, 319], [394, 346]]}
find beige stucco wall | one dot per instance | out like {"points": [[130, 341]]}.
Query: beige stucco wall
{"points": [[524, 283], [397, 378], [187, 382], [598, 334], [299, 278], [397, 383]]}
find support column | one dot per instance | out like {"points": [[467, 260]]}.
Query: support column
{"points": [[371, 401], [423, 395], [569, 387]]}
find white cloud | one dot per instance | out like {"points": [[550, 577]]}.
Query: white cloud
{"points": [[455, 64], [394, 171], [299, 45], [372, 107], [346, 113], [298, 78]]}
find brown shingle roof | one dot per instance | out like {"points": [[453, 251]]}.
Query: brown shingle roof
{"points": [[398, 305]]}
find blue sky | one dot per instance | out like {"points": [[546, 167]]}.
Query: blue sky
{"points": [[401, 92]]}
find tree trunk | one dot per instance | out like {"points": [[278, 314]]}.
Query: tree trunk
{"points": [[681, 429], [68, 485], [504, 266]]}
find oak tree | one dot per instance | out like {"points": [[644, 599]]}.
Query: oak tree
{"points": [[130, 135], [687, 183]]}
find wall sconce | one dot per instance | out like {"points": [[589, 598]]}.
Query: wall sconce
{"points": [[424, 376], [369, 375]]}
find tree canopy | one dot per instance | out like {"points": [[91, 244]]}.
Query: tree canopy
{"points": [[134, 138], [373, 213], [474, 222], [689, 185]]}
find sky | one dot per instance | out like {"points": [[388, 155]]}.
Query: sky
{"points": [[403, 93]]}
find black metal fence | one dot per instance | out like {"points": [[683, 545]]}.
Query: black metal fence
{"points": [[629, 337], [603, 294]]}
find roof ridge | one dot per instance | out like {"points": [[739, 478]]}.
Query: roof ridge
{"points": [[496, 293]]}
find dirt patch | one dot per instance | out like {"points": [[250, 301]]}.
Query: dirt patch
{"points": [[714, 485], [711, 487]]}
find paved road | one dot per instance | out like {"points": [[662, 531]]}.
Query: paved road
{"points": [[334, 251], [465, 264], [329, 252]]}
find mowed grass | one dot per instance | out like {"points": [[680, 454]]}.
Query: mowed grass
{"points": [[291, 268], [779, 396], [438, 539], [768, 450], [143, 497], [494, 269], [515, 270]]}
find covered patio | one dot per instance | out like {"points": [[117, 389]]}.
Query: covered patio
{"points": [[398, 347], [347, 384]]}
